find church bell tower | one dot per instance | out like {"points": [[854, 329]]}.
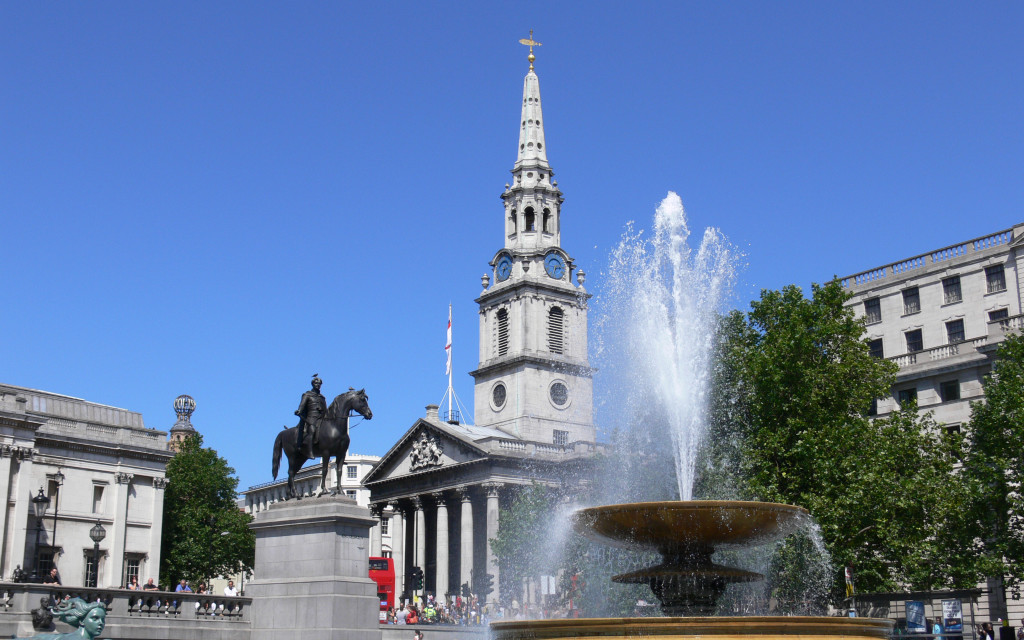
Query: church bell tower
{"points": [[534, 380]]}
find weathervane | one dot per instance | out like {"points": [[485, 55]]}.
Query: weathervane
{"points": [[530, 42]]}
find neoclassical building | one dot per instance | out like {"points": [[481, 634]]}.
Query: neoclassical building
{"points": [[442, 486], [94, 464]]}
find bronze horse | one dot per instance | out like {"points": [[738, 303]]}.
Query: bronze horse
{"points": [[332, 440]]}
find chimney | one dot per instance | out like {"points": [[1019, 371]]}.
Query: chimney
{"points": [[431, 412]]}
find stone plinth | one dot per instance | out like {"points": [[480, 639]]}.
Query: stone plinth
{"points": [[312, 573]]}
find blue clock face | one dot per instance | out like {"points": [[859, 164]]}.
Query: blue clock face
{"points": [[504, 268], [554, 265]]}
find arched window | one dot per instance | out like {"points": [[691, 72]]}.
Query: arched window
{"points": [[502, 332], [555, 329], [547, 222], [530, 224]]}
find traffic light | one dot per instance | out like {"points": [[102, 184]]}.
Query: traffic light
{"points": [[417, 578], [488, 584], [465, 589]]}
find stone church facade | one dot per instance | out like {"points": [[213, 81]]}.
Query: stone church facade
{"points": [[442, 486]]}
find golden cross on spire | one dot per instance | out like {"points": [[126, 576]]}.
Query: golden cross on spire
{"points": [[530, 42]]}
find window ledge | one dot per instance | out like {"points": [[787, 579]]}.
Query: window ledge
{"points": [[950, 304], [912, 313], [869, 323], [996, 292]]}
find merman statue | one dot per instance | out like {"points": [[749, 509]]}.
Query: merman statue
{"points": [[88, 619]]}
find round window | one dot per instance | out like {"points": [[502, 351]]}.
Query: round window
{"points": [[559, 394], [498, 395]]}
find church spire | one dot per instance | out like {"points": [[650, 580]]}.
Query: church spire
{"points": [[531, 132]]}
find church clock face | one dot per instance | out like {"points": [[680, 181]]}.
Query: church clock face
{"points": [[504, 268], [554, 265]]}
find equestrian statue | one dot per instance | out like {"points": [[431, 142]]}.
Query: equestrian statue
{"points": [[322, 432]]}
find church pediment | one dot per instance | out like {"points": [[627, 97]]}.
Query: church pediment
{"points": [[424, 448]]}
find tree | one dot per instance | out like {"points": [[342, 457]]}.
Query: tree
{"points": [[882, 490], [205, 534], [994, 463]]}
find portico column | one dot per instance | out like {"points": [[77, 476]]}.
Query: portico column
{"points": [[398, 547], [377, 509], [492, 532], [122, 481], [153, 559], [441, 579], [466, 538], [420, 559]]}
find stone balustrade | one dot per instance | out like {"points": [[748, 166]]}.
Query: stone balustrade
{"points": [[904, 267], [165, 614]]}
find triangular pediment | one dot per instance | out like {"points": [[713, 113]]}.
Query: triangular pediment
{"points": [[426, 447]]}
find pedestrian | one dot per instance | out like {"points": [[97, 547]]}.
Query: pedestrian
{"points": [[402, 615], [1020, 630], [133, 584], [53, 577]]}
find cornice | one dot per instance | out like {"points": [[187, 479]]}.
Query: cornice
{"points": [[68, 444], [512, 362]]}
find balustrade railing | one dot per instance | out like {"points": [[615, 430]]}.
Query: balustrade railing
{"points": [[924, 259], [22, 598]]}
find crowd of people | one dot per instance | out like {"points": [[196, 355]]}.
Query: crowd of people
{"points": [[456, 611]]}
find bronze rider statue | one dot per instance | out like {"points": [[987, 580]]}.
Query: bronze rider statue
{"points": [[312, 408]]}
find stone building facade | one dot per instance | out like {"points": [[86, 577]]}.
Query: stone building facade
{"points": [[940, 316], [442, 486], [95, 464]]}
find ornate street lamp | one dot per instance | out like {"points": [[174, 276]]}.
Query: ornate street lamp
{"points": [[39, 504], [97, 533]]}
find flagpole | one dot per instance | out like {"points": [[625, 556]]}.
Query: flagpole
{"points": [[450, 393]]}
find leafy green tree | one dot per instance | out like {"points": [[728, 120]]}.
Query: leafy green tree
{"points": [[994, 462], [205, 534], [882, 490]]}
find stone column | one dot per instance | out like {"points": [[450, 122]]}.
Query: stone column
{"points": [[23, 492], [122, 483], [153, 561], [398, 547], [466, 538], [492, 532], [441, 579], [420, 559], [5, 482], [377, 509]]}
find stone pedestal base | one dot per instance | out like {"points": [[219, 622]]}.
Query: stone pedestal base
{"points": [[311, 573]]}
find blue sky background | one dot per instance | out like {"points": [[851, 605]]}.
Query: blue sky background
{"points": [[166, 170]]}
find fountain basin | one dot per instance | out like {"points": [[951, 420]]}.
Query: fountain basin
{"points": [[726, 628]]}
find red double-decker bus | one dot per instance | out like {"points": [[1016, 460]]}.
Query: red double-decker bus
{"points": [[382, 571]]}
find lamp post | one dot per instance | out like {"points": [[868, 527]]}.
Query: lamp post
{"points": [[58, 482], [97, 533], [39, 504]]}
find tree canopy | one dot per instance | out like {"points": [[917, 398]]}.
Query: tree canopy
{"points": [[205, 534], [994, 464]]}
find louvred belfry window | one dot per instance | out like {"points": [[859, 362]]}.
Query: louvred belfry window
{"points": [[502, 332], [555, 330]]}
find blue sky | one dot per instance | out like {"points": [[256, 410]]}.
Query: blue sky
{"points": [[221, 199]]}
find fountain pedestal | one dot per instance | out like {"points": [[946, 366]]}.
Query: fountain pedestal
{"points": [[311, 574]]}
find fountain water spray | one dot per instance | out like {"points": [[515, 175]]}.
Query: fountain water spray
{"points": [[663, 303]]}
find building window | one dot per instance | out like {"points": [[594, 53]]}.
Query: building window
{"points": [[547, 221], [385, 554], [559, 394], [502, 332], [951, 289], [384, 525], [995, 278], [998, 314], [911, 301], [875, 348], [914, 341], [906, 396], [530, 222], [560, 437], [949, 390], [555, 329], [351, 471], [955, 331], [89, 579], [873, 310], [132, 568], [512, 218], [97, 498], [350, 493], [873, 409], [46, 555]]}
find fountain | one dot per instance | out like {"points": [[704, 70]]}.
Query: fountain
{"points": [[667, 299]]}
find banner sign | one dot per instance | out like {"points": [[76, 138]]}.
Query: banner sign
{"points": [[915, 617], [953, 615]]}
